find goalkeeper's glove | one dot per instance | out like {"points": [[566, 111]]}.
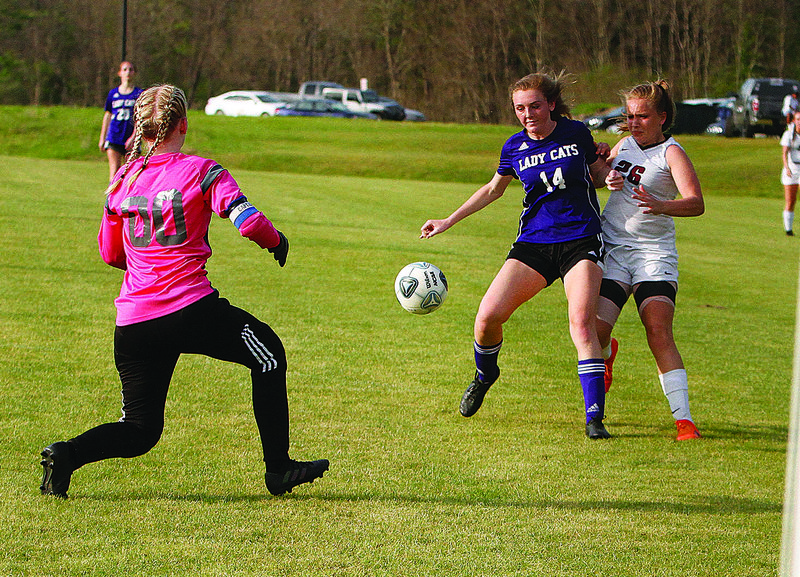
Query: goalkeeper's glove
{"points": [[280, 251]]}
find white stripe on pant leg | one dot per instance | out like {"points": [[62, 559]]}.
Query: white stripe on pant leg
{"points": [[261, 354], [258, 350]]}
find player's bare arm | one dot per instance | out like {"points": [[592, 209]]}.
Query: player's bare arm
{"points": [[691, 202], [599, 170], [104, 130], [603, 149]]}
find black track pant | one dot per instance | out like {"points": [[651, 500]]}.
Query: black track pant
{"points": [[146, 354]]}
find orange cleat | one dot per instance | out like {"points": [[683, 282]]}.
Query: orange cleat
{"points": [[686, 430], [608, 377]]}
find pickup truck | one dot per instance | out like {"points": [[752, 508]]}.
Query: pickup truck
{"points": [[365, 101], [758, 106], [314, 88]]}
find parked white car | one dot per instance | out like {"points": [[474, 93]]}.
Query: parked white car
{"points": [[244, 103]]}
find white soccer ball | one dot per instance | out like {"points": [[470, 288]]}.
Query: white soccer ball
{"points": [[420, 288]]}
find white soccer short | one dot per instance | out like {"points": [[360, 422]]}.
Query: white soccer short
{"points": [[631, 266], [794, 179]]}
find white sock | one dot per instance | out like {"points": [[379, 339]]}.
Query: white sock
{"points": [[607, 351], [675, 385], [788, 220]]}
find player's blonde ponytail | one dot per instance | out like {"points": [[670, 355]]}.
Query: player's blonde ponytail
{"points": [[658, 94]]}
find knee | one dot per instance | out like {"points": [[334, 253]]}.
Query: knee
{"points": [[659, 336], [583, 336], [487, 322], [142, 437], [583, 325], [584, 333], [262, 349]]}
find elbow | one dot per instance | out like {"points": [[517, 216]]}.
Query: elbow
{"points": [[494, 193], [119, 263], [117, 260]]}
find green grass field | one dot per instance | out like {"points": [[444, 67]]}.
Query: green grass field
{"points": [[414, 488]]}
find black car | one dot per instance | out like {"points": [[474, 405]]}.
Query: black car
{"points": [[758, 106], [320, 107], [606, 121]]}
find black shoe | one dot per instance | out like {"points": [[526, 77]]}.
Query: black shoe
{"points": [[596, 430], [789, 233], [58, 470], [472, 399], [296, 473]]}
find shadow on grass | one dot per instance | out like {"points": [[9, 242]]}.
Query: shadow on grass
{"points": [[701, 504], [706, 504], [744, 432]]}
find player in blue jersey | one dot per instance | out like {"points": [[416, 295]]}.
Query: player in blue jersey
{"points": [[117, 127], [559, 236]]}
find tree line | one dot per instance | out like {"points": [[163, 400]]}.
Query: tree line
{"points": [[452, 59]]}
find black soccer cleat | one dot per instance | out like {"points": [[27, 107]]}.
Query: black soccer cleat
{"points": [[472, 399], [296, 473], [596, 430], [58, 470]]}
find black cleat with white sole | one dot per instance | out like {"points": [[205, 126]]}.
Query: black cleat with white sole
{"points": [[58, 469]]}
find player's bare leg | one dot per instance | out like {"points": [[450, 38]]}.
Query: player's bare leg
{"points": [[515, 284], [114, 162], [657, 316], [608, 312], [790, 199], [582, 286]]}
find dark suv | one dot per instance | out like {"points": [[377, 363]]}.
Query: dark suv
{"points": [[758, 106]]}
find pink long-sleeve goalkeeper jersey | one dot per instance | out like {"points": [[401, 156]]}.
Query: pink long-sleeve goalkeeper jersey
{"points": [[156, 230]]}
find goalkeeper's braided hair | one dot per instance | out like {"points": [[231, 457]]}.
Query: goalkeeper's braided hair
{"points": [[157, 112]]}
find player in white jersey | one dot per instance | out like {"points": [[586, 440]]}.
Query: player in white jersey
{"points": [[790, 175], [652, 181]]}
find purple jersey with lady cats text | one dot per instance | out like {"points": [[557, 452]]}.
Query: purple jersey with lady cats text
{"points": [[120, 106], [560, 199]]}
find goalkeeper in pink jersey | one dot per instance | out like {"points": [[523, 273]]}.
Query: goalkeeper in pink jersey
{"points": [[155, 228]]}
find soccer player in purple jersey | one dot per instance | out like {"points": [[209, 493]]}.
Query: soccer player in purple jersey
{"points": [[557, 162], [155, 228], [117, 126]]}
